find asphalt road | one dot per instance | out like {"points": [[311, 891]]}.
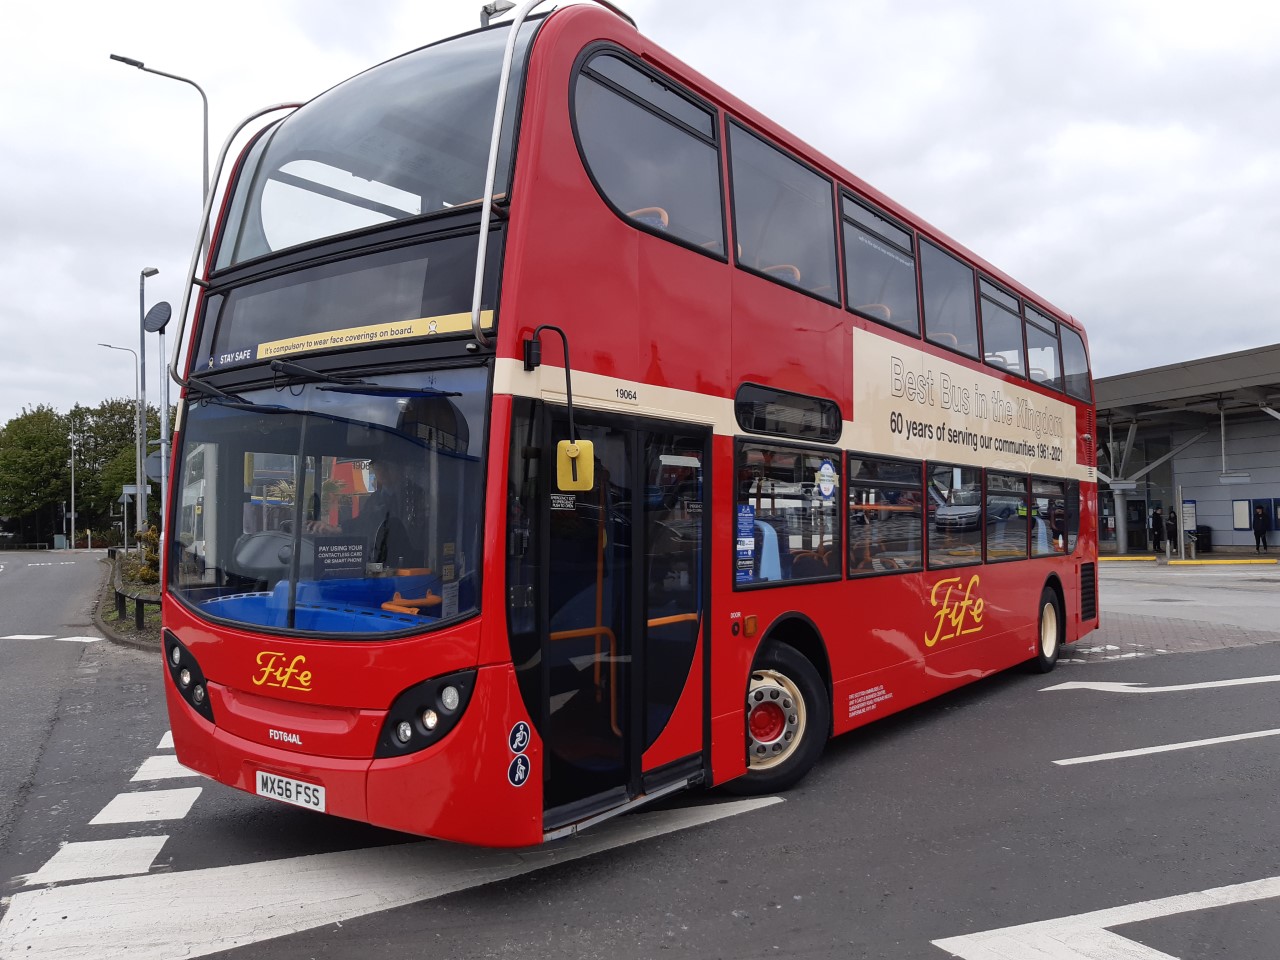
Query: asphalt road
{"points": [[1007, 820]]}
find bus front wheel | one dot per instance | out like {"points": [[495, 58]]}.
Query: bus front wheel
{"points": [[1050, 630], [788, 720]]}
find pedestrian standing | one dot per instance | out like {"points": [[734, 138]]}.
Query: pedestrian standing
{"points": [[1259, 530], [1157, 529], [1171, 528]]}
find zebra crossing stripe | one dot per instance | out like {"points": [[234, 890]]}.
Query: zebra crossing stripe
{"points": [[148, 806], [161, 767], [93, 859]]}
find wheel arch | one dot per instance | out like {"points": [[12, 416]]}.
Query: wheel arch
{"points": [[796, 630], [1054, 582]]}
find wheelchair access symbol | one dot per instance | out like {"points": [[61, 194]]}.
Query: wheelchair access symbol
{"points": [[518, 772], [519, 738]]}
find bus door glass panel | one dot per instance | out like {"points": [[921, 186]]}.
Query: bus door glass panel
{"points": [[617, 662], [673, 557], [587, 654], [955, 515]]}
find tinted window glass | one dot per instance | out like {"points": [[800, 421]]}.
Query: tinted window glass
{"points": [[1048, 517], [950, 317], [1042, 357], [1075, 363], [334, 509], [880, 269], [660, 95], [375, 300], [787, 524], [886, 501], [762, 410], [405, 138], [650, 168], [1002, 336], [1006, 516], [783, 216], [955, 515]]}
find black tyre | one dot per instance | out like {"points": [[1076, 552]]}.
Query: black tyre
{"points": [[788, 721], [1050, 631]]}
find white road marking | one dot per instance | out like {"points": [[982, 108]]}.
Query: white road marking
{"points": [[1167, 747], [161, 767], [97, 858], [149, 805], [166, 742], [1117, 687], [1086, 937], [79, 639], [28, 636], [222, 908]]}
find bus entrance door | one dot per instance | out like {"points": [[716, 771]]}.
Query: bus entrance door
{"points": [[622, 630]]}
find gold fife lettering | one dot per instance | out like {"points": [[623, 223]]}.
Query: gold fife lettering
{"points": [[957, 614], [276, 674]]}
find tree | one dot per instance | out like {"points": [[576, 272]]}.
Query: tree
{"points": [[34, 475]]}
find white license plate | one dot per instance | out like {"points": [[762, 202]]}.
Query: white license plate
{"points": [[285, 790]]}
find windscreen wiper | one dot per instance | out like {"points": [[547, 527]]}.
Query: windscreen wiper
{"points": [[298, 370], [379, 390], [209, 390]]}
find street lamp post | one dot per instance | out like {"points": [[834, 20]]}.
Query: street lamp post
{"points": [[155, 321], [73, 438], [204, 183], [137, 465], [141, 513]]}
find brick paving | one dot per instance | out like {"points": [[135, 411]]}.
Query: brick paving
{"points": [[1127, 636]]}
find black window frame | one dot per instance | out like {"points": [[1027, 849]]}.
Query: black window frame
{"points": [[1046, 324], [1014, 309], [836, 299], [857, 572], [834, 454], [973, 296], [930, 511], [1026, 515], [1067, 379], [847, 221], [829, 437], [582, 66]]}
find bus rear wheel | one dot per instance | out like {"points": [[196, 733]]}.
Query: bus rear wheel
{"points": [[788, 720], [1051, 628]]}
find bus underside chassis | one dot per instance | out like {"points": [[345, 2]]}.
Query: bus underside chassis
{"points": [[788, 720]]}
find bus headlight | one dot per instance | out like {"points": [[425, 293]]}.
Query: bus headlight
{"points": [[425, 713], [187, 676]]}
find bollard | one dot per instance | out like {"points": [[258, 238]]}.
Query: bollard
{"points": [[1168, 551], [1192, 540], [119, 605]]}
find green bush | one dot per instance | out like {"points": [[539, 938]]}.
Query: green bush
{"points": [[143, 566]]}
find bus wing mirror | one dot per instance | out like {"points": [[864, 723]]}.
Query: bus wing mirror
{"points": [[575, 465]]}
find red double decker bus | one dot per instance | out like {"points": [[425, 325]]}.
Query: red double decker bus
{"points": [[558, 432]]}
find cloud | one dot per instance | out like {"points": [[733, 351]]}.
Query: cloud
{"points": [[1121, 160]]}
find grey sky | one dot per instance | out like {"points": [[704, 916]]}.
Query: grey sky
{"points": [[1120, 158]]}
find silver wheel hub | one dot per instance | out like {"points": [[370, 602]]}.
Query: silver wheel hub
{"points": [[775, 719], [1048, 629]]}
